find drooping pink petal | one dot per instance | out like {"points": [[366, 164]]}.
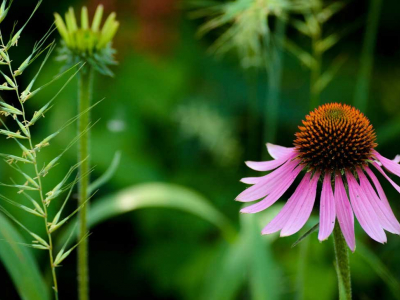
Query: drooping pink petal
{"points": [[277, 192], [327, 213], [390, 165], [277, 151], [378, 187], [271, 164], [252, 180], [266, 185], [387, 177], [386, 218], [344, 213], [279, 221], [303, 209], [364, 211]]}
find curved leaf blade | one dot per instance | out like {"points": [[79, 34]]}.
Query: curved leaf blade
{"points": [[21, 264], [162, 195]]}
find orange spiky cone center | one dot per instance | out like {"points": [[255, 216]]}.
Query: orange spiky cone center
{"points": [[335, 137]]}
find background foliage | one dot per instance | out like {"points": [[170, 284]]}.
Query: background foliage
{"points": [[180, 116]]}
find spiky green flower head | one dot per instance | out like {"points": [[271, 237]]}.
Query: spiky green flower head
{"points": [[90, 44], [246, 26]]}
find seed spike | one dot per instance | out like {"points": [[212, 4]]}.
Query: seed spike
{"points": [[15, 38], [55, 226], [23, 207], [61, 255], [26, 92], [57, 190], [12, 158]]}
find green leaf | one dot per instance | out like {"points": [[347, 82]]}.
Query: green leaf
{"points": [[379, 267], [312, 230], [160, 195], [20, 264], [249, 259], [304, 57], [107, 175], [227, 273], [263, 273]]}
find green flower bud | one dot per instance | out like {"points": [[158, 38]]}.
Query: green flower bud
{"points": [[86, 42]]}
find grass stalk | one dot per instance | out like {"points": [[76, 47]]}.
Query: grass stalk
{"points": [[38, 176], [85, 82]]}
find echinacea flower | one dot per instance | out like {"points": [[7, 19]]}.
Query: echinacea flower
{"points": [[87, 42], [336, 145]]}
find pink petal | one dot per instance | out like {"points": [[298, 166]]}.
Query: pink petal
{"points": [[267, 184], [303, 209], [390, 165], [378, 187], [344, 213], [327, 213], [387, 177], [364, 211], [279, 221], [278, 191], [271, 164], [386, 218], [396, 159], [277, 151], [252, 180]]}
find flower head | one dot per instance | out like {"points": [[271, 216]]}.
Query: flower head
{"points": [[87, 43], [248, 31], [337, 145]]}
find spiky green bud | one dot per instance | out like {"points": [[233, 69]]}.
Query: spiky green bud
{"points": [[85, 42]]}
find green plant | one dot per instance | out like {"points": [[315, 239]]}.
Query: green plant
{"points": [[18, 127], [91, 45]]}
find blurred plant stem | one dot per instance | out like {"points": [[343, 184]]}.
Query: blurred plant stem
{"points": [[315, 91], [84, 98], [253, 131], [367, 55], [342, 264], [301, 272], [274, 69]]}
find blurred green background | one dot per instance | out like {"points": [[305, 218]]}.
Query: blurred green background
{"points": [[179, 115]]}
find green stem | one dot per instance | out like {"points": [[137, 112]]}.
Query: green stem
{"points": [[274, 69], [367, 55], [302, 266], [84, 100], [342, 264]]}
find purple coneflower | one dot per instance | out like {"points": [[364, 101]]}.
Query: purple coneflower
{"points": [[337, 145]]}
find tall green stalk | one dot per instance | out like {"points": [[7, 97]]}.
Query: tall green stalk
{"points": [[274, 68], [367, 55], [342, 264], [84, 100]]}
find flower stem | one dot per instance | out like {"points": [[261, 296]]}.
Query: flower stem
{"points": [[342, 264], [84, 99]]}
